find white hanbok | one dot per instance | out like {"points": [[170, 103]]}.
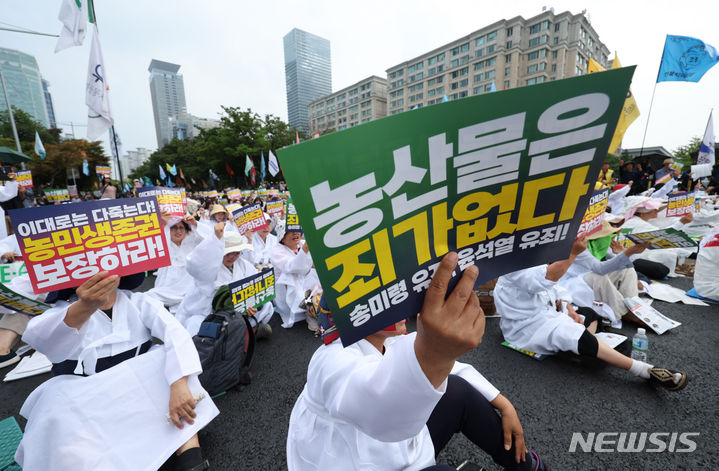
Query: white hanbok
{"points": [[706, 270], [361, 410], [208, 273], [113, 420], [584, 294], [294, 275], [173, 282], [526, 300], [262, 248], [8, 191]]}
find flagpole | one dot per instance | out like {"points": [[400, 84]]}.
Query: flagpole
{"points": [[641, 151]]}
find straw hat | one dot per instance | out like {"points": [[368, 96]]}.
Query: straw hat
{"points": [[218, 208], [234, 242], [606, 230]]}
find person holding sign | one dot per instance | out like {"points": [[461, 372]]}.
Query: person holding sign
{"points": [[215, 262], [75, 422], [537, 315], [393, 401], [639, 219], [220, 214], [295, 274], [263, 243], [173, 282]]}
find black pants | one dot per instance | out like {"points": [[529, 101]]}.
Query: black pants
{"points": [[464, 409], [653, 270]]}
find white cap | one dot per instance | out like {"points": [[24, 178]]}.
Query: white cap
{"points": [[641, 331]]}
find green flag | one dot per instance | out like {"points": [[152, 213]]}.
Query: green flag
{"points": [[248, 165]]}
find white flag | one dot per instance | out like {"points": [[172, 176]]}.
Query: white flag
{"points": [[706, 157], [73, 16], [706, 151], [99, 116], [272, 164]]}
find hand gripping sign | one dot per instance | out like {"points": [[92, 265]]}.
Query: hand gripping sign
{"points": [[504, 179], [64, 245]]}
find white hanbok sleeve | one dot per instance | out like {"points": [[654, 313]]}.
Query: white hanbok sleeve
{"points": [[299, 264], [8, 191], [181, 358], [475, 378], [588, 261], [49, 335], [205, 260], [388, 398], [532, 280]]}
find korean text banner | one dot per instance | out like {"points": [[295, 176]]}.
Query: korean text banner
{"points": [[680, 204], [103, 170], [19, 303], [24, 178], [292, 219], [170, 199], [663, 239], [253, 291], [250, 218], [504, 177], [593, 217], [234, 194], [57, 195], [275, 208], [64, 245]]}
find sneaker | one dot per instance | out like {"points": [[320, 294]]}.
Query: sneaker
{"points": [[264, 331], [537, 463], [9, 359]]}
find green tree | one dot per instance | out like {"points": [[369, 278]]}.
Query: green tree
{"points": [[686, 154], [241, 132], [26, 127], [65, 155]]}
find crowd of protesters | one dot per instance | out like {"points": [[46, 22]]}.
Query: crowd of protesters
{"points": [[356, 399]]}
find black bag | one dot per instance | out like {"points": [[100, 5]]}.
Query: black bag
{"points": [[226, 344]]}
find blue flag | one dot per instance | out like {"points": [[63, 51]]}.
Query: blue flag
{"points": [[493, 87], [262, 167], [444, 98], [85, 168], [39, 148], [685, 59], [162, 172]]}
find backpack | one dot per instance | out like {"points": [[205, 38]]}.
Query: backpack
{"points": [[226, 344]]}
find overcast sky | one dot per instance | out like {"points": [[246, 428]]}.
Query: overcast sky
{"points": [[231, 54]]}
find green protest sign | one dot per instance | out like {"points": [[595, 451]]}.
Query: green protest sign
{"points": [[663, 239], [253, 291], [504, 178], [292, 221], [19, 303]]}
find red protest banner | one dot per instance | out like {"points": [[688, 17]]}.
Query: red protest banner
{"points": [[171, 199], [64, 245], [250, 218], [593, 217]]}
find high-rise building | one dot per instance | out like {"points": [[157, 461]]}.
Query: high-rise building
{"points": [[48, 104], [133, 159], [507, 54], [167, 89], [308, 74], [24, 84], [360, 103]]}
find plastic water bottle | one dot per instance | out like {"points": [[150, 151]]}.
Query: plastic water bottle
{"points": [[640, 345]]}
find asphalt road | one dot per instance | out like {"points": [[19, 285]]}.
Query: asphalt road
{"points": [[554, 397]]}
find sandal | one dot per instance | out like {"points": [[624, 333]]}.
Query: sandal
{"points": [[665, 378]]}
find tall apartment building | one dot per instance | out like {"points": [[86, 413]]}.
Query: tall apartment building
{"points": [[508, 53], [48, 103], [24, 84], [167, 89], [133, 159], [308, 74], [364, 101]]}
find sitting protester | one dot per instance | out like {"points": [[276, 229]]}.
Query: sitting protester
{"points": [[213, 263], [706, 270], [294, 275], [393, 401], [655, 264], [220, 214], [262, 244], [92, 331], [537, 315], [173, 282]]}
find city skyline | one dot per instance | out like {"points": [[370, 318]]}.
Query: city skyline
{"points": [[231, 66], [25, 85]]}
